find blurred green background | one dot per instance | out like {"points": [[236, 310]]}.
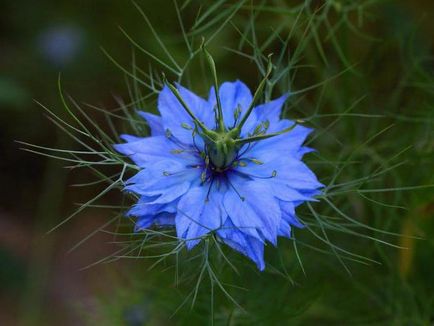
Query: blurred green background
{"points": [[42, 284]]}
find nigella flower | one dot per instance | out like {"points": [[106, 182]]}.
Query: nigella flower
{"points": [[220, 165]]}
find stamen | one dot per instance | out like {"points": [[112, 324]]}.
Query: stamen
{"points": [[245, 150], [236, 191], [255, 161], [194, 140], [273, 175], [266, 124], [237, 114], [173, 139], [209, 190], [195, 166], [203, 176], [186, 126], [258, 129]]}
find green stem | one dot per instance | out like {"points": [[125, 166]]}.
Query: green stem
{"points": [[211, 63]]}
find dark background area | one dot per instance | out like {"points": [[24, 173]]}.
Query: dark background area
{"points": [[41, 283]]}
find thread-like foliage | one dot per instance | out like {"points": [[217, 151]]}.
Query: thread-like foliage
{"points": [[362, 158]]}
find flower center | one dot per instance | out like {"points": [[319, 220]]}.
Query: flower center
{"points": [[222, 151], [222, 144]]}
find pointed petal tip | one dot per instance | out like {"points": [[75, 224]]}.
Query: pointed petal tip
{"points": [[126, 137], [190, 244]]}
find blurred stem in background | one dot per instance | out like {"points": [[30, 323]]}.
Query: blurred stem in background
{"points": [[411, 226], [36, 291]]}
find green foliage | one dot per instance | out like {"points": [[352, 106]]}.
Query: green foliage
{"points": [[362, 78]]}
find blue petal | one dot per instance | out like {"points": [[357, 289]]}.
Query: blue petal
{"points": [[155, 123], [288, 219], [292, 172], [145, 151], [168, 195], [163, 172], [231, 95], [243, 243], [161, 219], [174, 115], [311, 192], [198, 215], [282, 191], [304, 150], [284, 229], [286, 144], [271, 111], [252, 209], [288, 214], [200, 107], [130, 138], [165, 219], [145, 206], [166, 179], [251, 123]]}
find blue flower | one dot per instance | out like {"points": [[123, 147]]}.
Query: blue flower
{"points": [[222, 166]]}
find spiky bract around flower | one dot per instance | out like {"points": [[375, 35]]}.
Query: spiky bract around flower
{"points": [[221, 166]]}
